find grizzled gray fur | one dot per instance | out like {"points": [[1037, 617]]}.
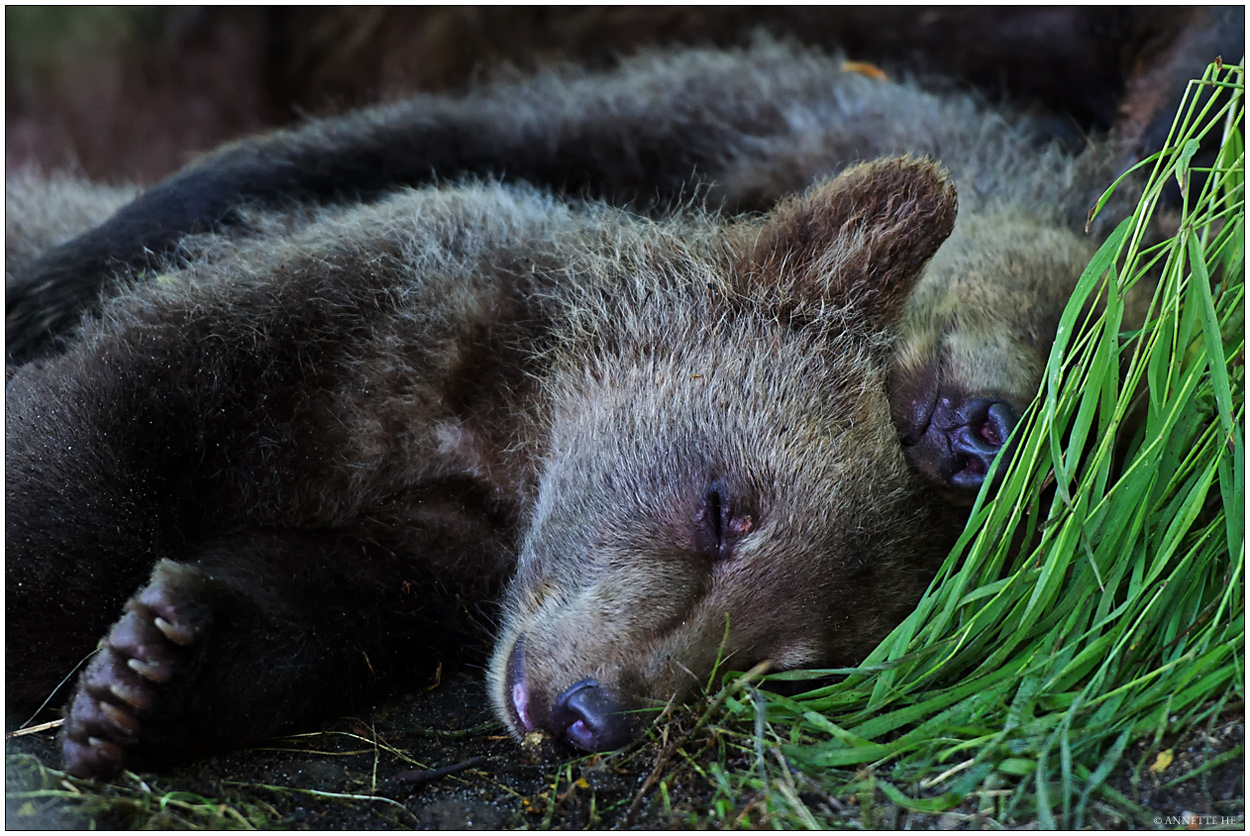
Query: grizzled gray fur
{"points": [[299, 444], [320, 436]]}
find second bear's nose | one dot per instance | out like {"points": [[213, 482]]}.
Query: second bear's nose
{"points": [[588, 717], [980, 431], [954, 441]]}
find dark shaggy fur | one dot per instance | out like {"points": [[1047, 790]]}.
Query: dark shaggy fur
{"points": [[305, 438], [752, 125], [321, 437]]}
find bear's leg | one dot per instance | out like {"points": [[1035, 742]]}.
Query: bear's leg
{"points": [[256, 634]]}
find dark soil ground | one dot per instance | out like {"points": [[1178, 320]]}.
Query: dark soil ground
{"points": [[435, 760], [1214, 797], [431, 760], [439, 760]]}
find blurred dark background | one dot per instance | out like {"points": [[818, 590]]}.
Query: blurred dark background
{"points": [[132, 93]]}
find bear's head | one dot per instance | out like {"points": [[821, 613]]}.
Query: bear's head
{"points": [[722, 483]]}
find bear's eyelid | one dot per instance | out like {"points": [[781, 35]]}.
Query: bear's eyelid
{"points": [[720, 523]]}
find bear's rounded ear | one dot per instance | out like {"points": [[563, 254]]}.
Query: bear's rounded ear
{"points": [[859, 240]]}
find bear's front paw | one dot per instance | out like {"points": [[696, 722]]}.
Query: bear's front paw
{"points": [[131, 698]]}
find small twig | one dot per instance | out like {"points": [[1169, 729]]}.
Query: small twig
{"points": [[346, 796], [61, 685], [51, 724], [785, 785], [453, 734], [929, 783], [417, 777]]}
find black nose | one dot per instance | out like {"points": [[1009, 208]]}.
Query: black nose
{"points": [[979, 435], [588, 717], [960, 439]]}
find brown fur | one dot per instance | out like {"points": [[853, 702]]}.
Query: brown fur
{"points": [[610, 584], [754, 125], [701, 437], [379, 399]]}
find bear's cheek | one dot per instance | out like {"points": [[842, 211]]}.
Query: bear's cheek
{"points": [[657, 627]]}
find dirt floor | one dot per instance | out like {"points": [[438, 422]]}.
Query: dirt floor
{"points": [[1214, 798], [439, 760], [436, 760]]}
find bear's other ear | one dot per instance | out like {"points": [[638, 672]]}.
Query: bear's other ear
{"points": [[860, 239]]}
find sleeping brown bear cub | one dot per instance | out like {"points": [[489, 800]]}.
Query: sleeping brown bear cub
{"points": [[310, 438], [320, 437]]}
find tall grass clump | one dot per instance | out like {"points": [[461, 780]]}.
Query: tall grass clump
{"points": [[1096, 599]]}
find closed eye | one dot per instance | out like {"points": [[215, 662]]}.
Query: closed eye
{"points": [[721, 521]]}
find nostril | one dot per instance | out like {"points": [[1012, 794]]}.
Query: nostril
{"points": [[987, 425], [518, 688], [989, 418], [1000, 419], [989, 432], [588, 717]]}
